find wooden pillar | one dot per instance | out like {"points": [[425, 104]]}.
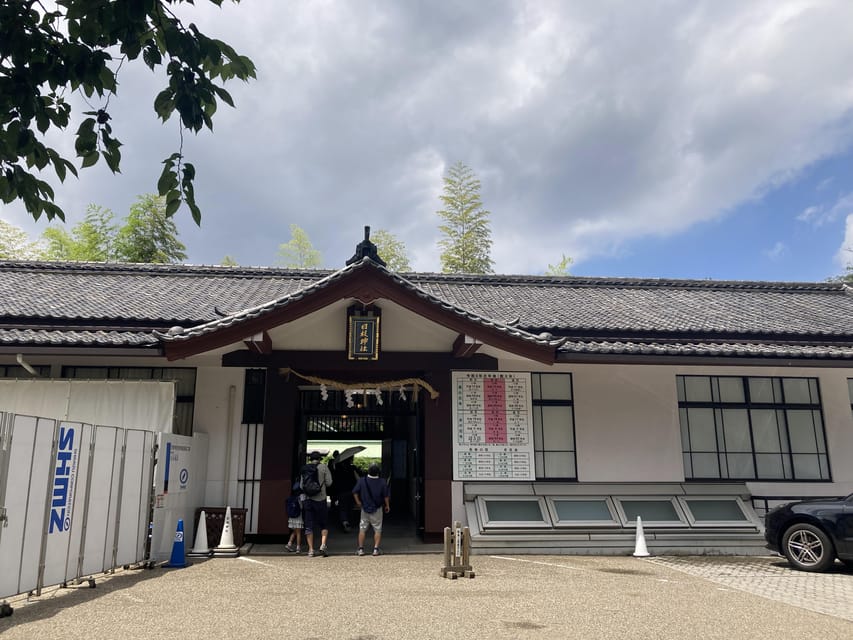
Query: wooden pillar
{"points": [[438, 459], [277, 457]]}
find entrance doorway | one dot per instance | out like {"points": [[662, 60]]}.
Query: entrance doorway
{"points": [[388, 425]]}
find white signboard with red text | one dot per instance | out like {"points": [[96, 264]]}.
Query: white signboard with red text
{"points": [[492, 426]]}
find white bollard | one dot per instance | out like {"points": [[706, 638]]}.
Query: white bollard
{"points": [[640, 549]]}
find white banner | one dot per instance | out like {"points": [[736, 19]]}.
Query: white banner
{"points": [[130, 404]]}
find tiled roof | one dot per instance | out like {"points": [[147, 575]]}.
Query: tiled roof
{"points": [[121, 304], [175, 334], [66, 338], [707, 349]]}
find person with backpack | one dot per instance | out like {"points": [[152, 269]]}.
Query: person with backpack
{"points": [[314, 478], [371, 494], [293, 504]]}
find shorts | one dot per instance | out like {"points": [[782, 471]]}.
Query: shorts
{"points": [[371, 519], [315, 513], [295, 523]]}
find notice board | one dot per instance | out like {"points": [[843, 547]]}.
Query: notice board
{"points": [[492, 426]]}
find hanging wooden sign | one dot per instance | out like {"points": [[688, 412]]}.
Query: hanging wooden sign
{"points": [[363, 334]]}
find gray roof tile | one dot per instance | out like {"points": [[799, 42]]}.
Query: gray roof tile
{"points": [[630, 315]]}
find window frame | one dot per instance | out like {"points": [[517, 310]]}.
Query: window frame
{"points": [[483, 513], [536, 406], [717, 406], [615, 521], [629, 523], [850, 391], [747, 522]]}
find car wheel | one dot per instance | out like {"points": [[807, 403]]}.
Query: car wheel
{"points": [[807, 547]]}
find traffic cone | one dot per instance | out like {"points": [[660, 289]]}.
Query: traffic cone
{"points": [[226, 547], [177, 561], [200, 548], [640, 549]]}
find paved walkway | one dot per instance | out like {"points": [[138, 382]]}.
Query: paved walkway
{"points": [[402, 596], [830, 593]]}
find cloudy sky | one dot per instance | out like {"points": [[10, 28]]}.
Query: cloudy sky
{"points": [[642, 138]]}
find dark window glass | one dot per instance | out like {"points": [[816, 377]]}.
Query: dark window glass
{"points": [[752, 428]]}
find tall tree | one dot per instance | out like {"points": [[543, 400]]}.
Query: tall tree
{"points": [[15, 244], [92, 240], [391, 250], [467, 242], [299, 253], [149, 234], [51, 49], [561, 268]]}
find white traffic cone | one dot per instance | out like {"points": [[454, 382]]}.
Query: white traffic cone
{"points": [[226, 547], [640, 549], [200, 548]]}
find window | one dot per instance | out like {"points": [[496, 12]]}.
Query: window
{"points": [[658, 512], [850, 391], [512, 512], [184, 387], [554, 426], [583, 511], [254, 388], [752, 428], [17, 371], [714, 511]]}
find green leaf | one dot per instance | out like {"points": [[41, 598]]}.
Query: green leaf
{"points": [[151, 55], [164, 104], [195, 211], [224, 95], [168, 180], [173, 202], [90, 159]]}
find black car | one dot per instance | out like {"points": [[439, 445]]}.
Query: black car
{"points": [[812, 533]]}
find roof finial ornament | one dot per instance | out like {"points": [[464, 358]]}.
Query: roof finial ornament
{"points": [[366, 249]]}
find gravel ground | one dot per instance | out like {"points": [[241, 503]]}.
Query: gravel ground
{"points": [[403, 596]]}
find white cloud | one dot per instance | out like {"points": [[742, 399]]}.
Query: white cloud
{"points": [[589, 124], [810, 213], [776, 252], [844, 256], [821, 214]]}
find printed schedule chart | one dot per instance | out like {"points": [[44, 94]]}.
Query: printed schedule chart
{"points": [[493, 429]]}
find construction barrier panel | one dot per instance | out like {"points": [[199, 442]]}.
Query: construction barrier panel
{"points": [[74, 500]]}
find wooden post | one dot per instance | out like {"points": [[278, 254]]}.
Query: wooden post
{"points": [[457, 552]]}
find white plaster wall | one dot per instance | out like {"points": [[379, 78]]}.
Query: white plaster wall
{"points": [[626, 424], [218, 412], [325, 330], [627, 429]]}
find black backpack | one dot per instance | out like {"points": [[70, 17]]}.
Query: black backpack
{"points": [[310, 480]]}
